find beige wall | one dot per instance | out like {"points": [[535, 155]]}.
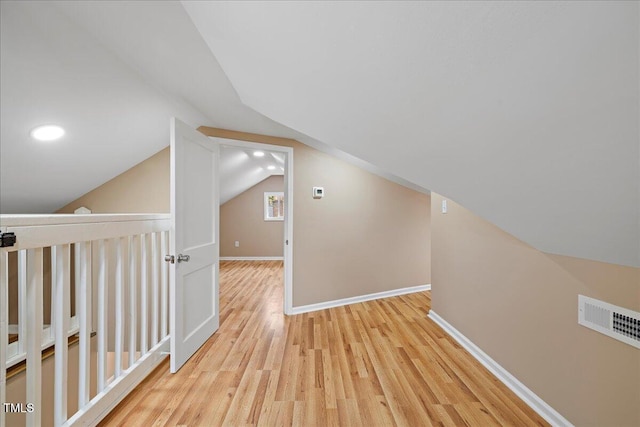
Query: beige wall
{"points": [[142, 189], [366, 235], [519, 305], [242, 219]]}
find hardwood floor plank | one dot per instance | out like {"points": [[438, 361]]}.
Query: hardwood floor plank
{"points": [[377, 363], [348, 413], [455, 416], [442, 417], [380, 410], [219, 398], [200, 396], [278, 414]]}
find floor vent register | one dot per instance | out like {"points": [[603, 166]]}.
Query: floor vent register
{"points": [[617, 322]]}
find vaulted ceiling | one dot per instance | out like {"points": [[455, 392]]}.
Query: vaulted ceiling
{"points": [[112, 73], [524, 112], [241, 169]]}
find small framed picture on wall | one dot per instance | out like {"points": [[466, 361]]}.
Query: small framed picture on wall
{"points": [[273, 206]]}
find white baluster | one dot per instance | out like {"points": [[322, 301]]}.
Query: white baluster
{"points": [[133, 248], [52, 311], [4, 333], [83, 312], [34, 337], [22, 300], [103, 273], [154, 289], [119, 307], [144, 294], [164, 291], [61, 278]]}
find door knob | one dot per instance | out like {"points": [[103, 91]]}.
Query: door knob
{"points": [[181, 258]]}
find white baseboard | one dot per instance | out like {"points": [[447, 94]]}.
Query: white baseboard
{"points": [[552, 416], [251, 258], [361, 298]]}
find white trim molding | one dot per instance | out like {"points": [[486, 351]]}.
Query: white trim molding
{"points": [[362, 298], [552, 416], [251, 258]]}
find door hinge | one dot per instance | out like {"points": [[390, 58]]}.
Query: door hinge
{"points": [[7, 239]]}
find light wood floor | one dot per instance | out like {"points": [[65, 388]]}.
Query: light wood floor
{"points": [[372, 364]]}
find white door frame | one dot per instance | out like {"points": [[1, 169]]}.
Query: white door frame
{"points": [[288, 217]]}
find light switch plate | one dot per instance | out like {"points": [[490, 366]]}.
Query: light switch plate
{"points": [[318, 192]]}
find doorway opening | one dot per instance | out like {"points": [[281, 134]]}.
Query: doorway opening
{"points": [[258, 162]]}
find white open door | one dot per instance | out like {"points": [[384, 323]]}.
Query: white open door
{"points": [[194, 241]]}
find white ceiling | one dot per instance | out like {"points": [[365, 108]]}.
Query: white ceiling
{"points": [[112, 73], [53, 71], [524, 112], [240, 170]]}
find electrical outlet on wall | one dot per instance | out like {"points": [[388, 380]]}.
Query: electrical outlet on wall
{"points": [[237, 244]]}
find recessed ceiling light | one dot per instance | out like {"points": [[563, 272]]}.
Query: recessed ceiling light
{"points": [[271, 167], [47, 133], [258, 153]]}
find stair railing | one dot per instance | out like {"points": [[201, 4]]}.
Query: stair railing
{"points": [[120, 287]]}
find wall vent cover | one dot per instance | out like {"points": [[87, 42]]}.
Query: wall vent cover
{"points": [[617, 322]]}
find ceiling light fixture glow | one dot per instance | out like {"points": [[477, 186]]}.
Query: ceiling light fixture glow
{"points": [[47, 133], [258, 153], [271, 167]]}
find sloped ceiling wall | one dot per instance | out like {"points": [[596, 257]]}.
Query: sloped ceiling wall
{"points": [[524, 112], [241, 170], [52, 71], [111, 73]]}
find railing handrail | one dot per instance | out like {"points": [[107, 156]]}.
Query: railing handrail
{"points": [[10, 220], [36, 231]]}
